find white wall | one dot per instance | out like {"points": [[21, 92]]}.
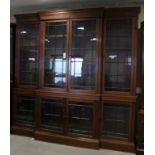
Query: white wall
{"points": [[141, 15]]}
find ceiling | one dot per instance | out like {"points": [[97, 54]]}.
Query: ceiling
{"points": [[21, 6]]}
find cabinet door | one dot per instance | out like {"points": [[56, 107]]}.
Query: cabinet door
{"points": [[117, 55], [55, 54], [52, 114], [28, 45], [83, 55], [81, 117], [25, 109], [116, 120]]}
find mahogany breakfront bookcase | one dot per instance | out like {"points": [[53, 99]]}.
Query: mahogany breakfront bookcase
{"points": [[75, 77]]}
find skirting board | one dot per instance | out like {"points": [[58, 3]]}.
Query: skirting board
{"points": [[117, 145], [139, 151], [74, 141], [25, 131]]}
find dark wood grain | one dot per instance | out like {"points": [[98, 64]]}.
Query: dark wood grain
{"points": [[140, 124], [78, 141], [98, 97]]}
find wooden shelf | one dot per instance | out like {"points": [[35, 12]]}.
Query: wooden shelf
{"points": [[80, 118], [84, 35], [115, 120], [56, 36], [51, 115], [119, 49]]}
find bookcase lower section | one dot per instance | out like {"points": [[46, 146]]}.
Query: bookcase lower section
{"points": [[82, 122]]}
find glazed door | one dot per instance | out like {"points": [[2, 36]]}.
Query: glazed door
{"points": [[55, 54], [25, 110], [116, 120], [83, 55], [52, 115], [117, 55], [28, 53], [81, 118]]}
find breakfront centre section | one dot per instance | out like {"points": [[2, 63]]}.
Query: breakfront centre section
{"points": [[75, 77]]}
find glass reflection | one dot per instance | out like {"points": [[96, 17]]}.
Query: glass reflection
{"points": [[76, 67], [56, 67]]}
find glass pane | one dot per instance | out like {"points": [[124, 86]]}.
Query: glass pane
{"points": [[80, 117], [29, 34], [115, 120], [83, 55], [25, 107], [118, 55], [52, 114], [55, 55]]}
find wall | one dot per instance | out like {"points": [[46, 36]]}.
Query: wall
{"points": [[141, 15]]}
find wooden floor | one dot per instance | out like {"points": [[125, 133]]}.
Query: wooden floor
{"points": [[21, 145]]}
